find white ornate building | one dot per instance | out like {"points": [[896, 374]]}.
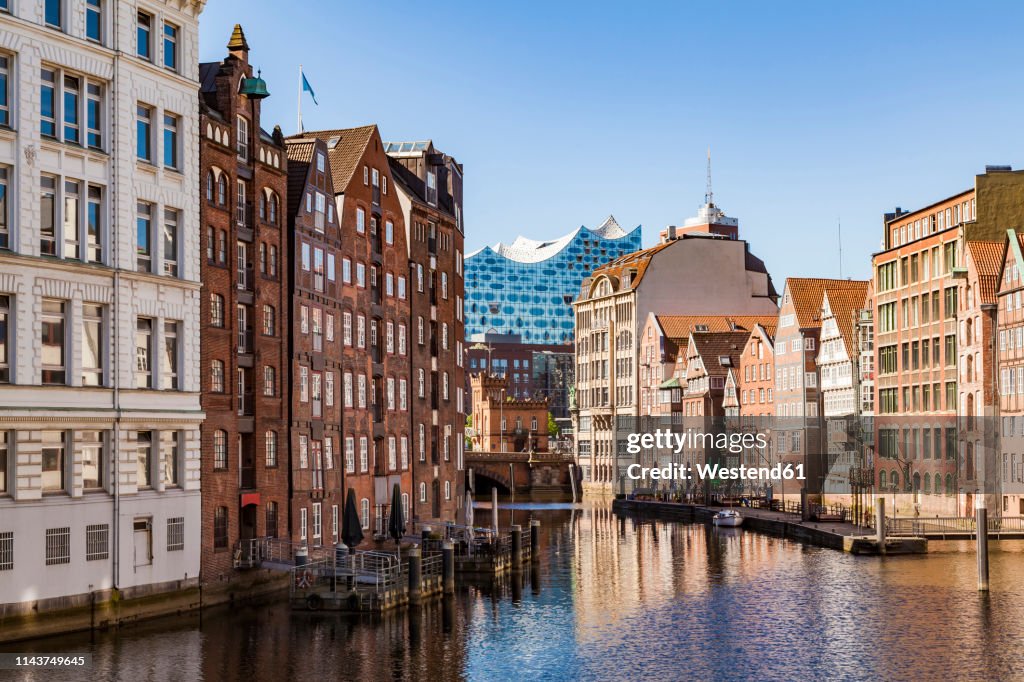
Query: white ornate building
{"points": [[99, 300]]}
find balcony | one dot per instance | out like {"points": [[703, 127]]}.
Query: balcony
{"points": [[246, 278], [245, 404], [247, 478], [244, 221], [375, 207], [246, 341]]}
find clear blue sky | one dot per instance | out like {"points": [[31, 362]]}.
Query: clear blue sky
{"points": [[565, 112]]}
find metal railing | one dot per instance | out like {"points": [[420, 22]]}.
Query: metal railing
{"points": [[952, 525], [431, 564]]}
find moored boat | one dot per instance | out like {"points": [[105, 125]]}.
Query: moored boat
{"points": [[729, 518]]}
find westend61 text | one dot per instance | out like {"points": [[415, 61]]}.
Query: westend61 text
{"points": [[684, 472]]}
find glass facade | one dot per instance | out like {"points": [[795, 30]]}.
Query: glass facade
{"points": [[527, 288]]}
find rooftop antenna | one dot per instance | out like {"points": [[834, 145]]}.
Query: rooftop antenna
{"points": [[840, 224], [709, 196]]}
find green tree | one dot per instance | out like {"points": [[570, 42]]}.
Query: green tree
{"points": [[553, 429]]}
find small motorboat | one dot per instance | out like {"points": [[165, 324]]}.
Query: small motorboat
{"points": [[729, 518]]}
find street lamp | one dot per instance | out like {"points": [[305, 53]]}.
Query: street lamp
{"points": [[895, 487], [489, 349], [501, 417]]}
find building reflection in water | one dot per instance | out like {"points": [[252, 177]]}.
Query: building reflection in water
{"points": [[616, 598]]}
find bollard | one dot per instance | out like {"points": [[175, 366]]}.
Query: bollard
{"points": [[494, 511], [301, 556], [448, 566], [880, 523], [415, 575], [425, 532], [534, 540], [981, 524], [517, 547]]}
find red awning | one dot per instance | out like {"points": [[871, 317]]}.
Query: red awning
{"points": [[250, 498]]}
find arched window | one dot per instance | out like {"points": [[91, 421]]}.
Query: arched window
{"points": [[211, 180], [917, 482], [222, 189], [928, 484], [970, 365], [423, 491], [969, 461], [894, 480], [364, 513], [949, 484], [263, 206], [882, 480], [272, 215]]}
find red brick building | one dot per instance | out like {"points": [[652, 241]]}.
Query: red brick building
{"points": [[503, 422], [244, 370], [318, 326], [1010, 292], [429, 186], [374, 290]]}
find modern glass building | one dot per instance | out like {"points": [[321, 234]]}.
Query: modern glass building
{"points": [[527, 288]]}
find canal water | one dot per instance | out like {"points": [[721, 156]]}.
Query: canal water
{"points": [[616, 599]]}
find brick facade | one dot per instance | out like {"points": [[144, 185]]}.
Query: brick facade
{"points": [[244, 375]]}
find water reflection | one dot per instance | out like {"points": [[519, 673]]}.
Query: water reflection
{"points": [[617, 599]]}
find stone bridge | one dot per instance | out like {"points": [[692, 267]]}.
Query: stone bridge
{"points": [[541, 476]]}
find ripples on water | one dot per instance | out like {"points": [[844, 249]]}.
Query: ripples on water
{"points": [[616, 599]]}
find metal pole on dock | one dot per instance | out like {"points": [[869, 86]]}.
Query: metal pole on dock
{"points": [[494, 512], [981, 526], [448, 567], [880, 523], [415, 575], [534, 540], [517, 547]]}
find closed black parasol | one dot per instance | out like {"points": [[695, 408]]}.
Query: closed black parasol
{"points": [[351, 526], [396, 521]]}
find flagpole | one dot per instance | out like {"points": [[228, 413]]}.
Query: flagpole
{"points": [[299, 131]]}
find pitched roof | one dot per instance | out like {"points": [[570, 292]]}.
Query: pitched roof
{"points": [[988, 261], [680, 326], [345, 147], [300, 155], [807, 294], [637, 260], [844, 302], [712, 347]]}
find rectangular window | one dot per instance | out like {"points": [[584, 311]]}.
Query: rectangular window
{"points": [[97, 542], [169, 457], [171, 353], [170, 47], [143, 353], [363, 454], [176, 534], [72, 202], [5, 107], [144, 461], [242, 138], [94, 225], [53, 13], [58, 545], [94, 20], [93, 343], [143, 237], [48, 216], [171, 242], [5, 341], [5, 230], [54, 452], [72, 98], [220, 527], [7, 551], [143, 35], [144, 133], [171, 141], [48, 103], [53, 341]]}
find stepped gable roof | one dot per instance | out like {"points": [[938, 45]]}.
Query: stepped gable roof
{"points": [[300, 154], [988, 261], [345, 146]]}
